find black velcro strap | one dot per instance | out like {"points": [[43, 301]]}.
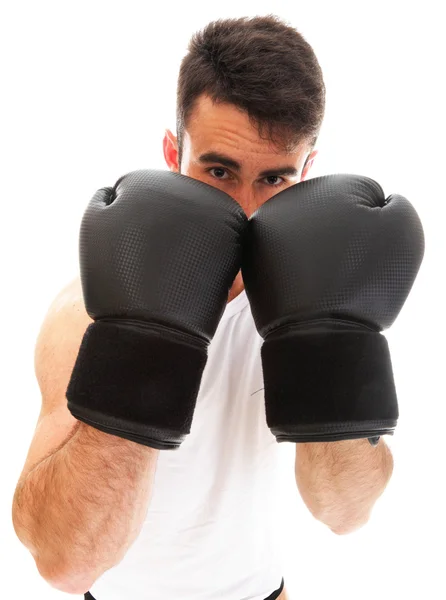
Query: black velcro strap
{"points": [[327, 386], [138, 383]]}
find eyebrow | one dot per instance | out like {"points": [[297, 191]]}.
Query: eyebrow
{"points": [[215, 157]]}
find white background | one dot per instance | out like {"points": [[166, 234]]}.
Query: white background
{"points": [[87, 89]]}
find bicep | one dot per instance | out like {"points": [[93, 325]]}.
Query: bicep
{"points": [[55, 353]]}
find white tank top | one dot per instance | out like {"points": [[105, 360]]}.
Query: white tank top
{"points": [[210, 531]]}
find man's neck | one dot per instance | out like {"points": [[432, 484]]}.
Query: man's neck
{"points": [[237, 287]]}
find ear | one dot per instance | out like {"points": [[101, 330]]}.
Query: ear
{"points": [[308, 164], [170, 149]]}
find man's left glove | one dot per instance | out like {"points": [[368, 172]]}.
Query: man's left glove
{"points": [[328, 265]]}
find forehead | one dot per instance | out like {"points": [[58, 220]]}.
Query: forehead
{"points": [[226, 128]]}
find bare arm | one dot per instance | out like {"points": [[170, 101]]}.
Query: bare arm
{"points": [[83, 494], [341, 481]]}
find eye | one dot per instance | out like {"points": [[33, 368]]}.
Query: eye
{"points": [[281, 180], [217, 169], [219, 172]]}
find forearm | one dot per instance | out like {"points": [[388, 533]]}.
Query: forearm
{"points": [[341, 481], [81, 508]]}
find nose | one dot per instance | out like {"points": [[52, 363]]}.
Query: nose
{"points": [[247, 199]]}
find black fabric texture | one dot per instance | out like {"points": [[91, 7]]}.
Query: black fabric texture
{"points": [[327, 386], [161, 247], [331, 246], [137, 382]]}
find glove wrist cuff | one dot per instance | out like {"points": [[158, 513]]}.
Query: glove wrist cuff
{"points": [[328, 386], [138, 383]]}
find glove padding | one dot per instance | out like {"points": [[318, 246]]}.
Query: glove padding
{"points": [[328, 265], [158, 254]]}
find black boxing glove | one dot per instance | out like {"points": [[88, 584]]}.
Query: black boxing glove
{"points": [[328, 265], [158, 254]]}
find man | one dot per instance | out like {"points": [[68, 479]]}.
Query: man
{"points": [[114, 515]]}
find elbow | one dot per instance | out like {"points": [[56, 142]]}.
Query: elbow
{"points": [[56, 570], [65, 577], [346, 527], [56, 566], [342, 522], [69, 575], [349, 523]]}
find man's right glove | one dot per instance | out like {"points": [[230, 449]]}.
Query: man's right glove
{"points": [[158, 254], [329, 263]]}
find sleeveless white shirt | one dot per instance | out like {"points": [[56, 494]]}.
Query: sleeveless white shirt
{"points": [[210, 531]]}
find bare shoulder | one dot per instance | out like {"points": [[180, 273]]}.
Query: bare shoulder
{"points": [[56, 350]]}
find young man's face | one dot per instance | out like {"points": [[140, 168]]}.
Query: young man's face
{"points": [[223, 149]]}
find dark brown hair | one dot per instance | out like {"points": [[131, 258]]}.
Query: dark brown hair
{"points": [[264, 67]]}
